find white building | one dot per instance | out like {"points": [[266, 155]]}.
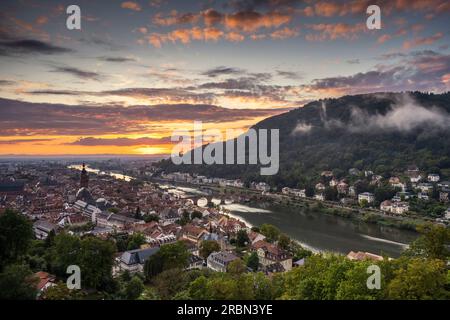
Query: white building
{"points": [[433, 177], [369, 197]]}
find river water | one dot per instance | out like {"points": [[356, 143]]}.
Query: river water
{"points": [[314, 230], [322, 232]]}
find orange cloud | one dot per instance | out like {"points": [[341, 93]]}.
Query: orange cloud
{"points": [[327, 9], [175, 18], [41, 20], [249, 21], [185, 36], [284, 33], [422, 41], [385, 37], [234, 37], [131, 5], [334, 31]]}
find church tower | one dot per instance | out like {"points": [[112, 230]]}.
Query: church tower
{"points": [[84, 178]]}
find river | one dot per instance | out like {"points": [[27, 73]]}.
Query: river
{"points": [[314, 230], [322, 232]]}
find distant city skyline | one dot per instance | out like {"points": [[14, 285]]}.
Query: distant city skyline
{"points": [[137, 70]]}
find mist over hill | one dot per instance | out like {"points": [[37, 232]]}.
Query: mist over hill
{"points": [[381, 132]]}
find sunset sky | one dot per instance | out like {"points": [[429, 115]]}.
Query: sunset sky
{"points": [[137, 70]]}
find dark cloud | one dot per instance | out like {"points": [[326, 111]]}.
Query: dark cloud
{"points": [[21, 47], [7, 83], [119, 142], [220, 71], [16, 141], [292, 75], [161, 93], [264, 4], [24, 118], [83, 74], [116, 59], [353, 61], [424, 71]]}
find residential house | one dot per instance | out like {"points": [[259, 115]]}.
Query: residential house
{"points": [[425, 187], [342, 187], [423, 196], [320, 186], [42, 229], [367, 196], [319, 196], [255, 237], [386, 206], [447, 214], [444, 194], [270, 254], [444, 184], [433, 177], [46, 280], [193, 233], [134, 260], [195, 262], [219, 261], [360, 256]]}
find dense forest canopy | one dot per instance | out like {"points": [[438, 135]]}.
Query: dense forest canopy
{"points": [[381, 132]]}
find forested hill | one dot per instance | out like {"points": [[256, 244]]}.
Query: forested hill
{"points": [[382, 132]]}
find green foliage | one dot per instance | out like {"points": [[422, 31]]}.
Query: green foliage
{"points": [[95, 258], [236, 267], [270, 232], [151, 217], [242, 239], [60, 292], [253, 261], [207, 247], [196, 214], [420, 279], [169, 256], [17, 283], [135, 241], [16, 234], [133, 288], [284, 241], [336, 147], [433, 243]]}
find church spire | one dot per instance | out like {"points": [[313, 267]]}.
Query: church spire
{"points": [[84, 178]]}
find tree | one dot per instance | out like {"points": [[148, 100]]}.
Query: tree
{"points": [[331, 193], [17, 283], [253, 261], [60, 292], [133, 288], [170, 256], [65, 252], [419, 279], [96, 259], [284, 241], [16, 234], [170, 282], [242, 239], [196, 214], [207, 247], [151, 217], [433, 243], [236, 267], [270, 232], [135, 241]]}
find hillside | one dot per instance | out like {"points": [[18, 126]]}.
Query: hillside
{"points": [[383, 132]]}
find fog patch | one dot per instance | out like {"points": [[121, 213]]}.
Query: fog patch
{"points": [[404, 116]]}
